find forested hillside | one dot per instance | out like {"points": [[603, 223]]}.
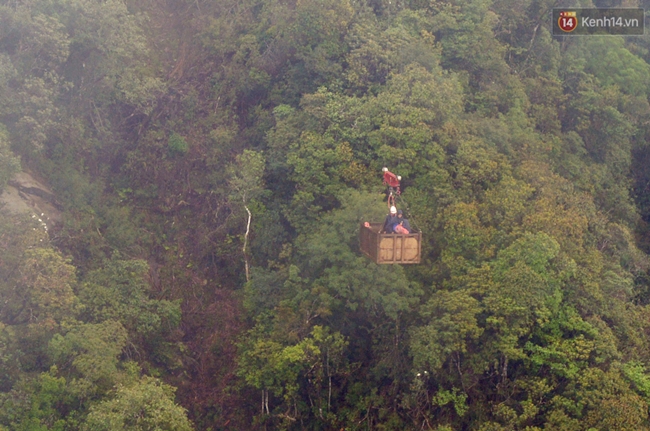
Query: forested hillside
{"points": [[211, 162]]}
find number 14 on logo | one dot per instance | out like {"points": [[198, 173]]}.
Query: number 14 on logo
{"points": [[567, 21]]}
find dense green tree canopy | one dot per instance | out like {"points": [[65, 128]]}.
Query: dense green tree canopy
{"points": [[211, 164]]}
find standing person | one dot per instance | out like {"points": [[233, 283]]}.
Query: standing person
{"points": [[391, 221], [392, 181]]}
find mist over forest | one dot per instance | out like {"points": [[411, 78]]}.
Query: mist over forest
{"points": [[184, 182]]}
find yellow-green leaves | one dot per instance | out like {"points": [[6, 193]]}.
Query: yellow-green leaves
{"points": [[47, 279], [270, 365], [9, 163], [89, 353], [145, 405], [119, 292], [36, 281], [245, 176], [452, 318]]}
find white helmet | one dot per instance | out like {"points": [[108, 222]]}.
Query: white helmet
{"points": [[384, 169], [393, 210]]}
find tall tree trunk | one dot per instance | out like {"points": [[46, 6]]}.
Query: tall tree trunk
{"points": [[248, 227]]}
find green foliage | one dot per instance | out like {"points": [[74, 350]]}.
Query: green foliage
{"points": [[37, 283], [605, 401], [146, 405], [89, 354], [175, 134], [290, 371], [246, 176], [37, 407], [283, 111], [613, 64], [9, 164], [636, 373], [49, 287], [176, 145], [459, 400], [453, 323], [119, 292]]}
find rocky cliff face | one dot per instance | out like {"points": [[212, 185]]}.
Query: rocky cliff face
{"points": [[24, 194]]}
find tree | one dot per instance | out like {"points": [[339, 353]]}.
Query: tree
{"points": [[119, 292], [245, 181], [37, 281], [453, 323], [9, 163], [145, 405], [88, 357]]}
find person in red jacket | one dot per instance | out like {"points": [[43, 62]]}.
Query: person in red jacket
{"points": [[392, 181]]}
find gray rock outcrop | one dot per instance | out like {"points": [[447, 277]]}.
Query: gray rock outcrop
{"points": [[24, 194]]}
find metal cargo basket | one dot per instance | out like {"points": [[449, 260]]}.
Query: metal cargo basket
{"points": [[385, 248]]}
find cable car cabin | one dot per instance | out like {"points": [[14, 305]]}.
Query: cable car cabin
{"points": [[389, 247]]}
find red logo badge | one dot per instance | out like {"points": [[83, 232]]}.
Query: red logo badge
{"points": [[567, 21]]}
